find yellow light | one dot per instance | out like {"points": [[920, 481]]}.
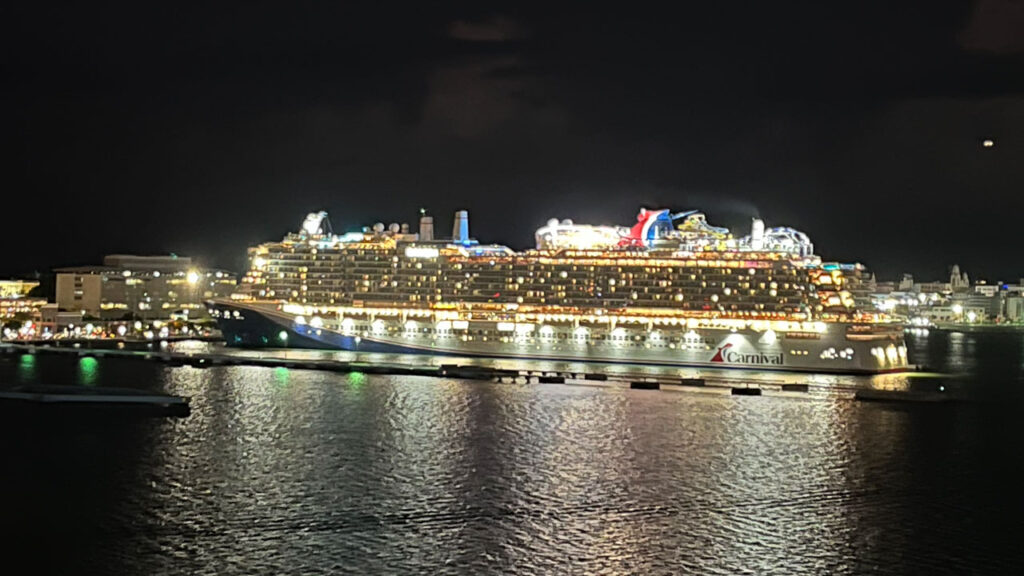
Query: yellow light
{"points": [[192, 277], [891, 353]]}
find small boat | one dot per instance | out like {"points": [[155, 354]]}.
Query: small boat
{"points": [[84, 397], [882, 395]]}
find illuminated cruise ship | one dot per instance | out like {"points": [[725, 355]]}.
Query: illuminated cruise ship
{"points": [[669, 290]]}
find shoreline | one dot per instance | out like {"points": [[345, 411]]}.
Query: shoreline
{"points": [[978, 327]]}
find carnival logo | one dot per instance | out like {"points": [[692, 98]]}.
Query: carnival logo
{"points": [[726, 355], [718, 355]]}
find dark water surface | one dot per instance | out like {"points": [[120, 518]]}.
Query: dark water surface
{"points": [[300, 472]]}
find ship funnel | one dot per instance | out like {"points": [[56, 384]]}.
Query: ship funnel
{"points": [[757, 234], [316, 223], [460, 230], [426, 228]]}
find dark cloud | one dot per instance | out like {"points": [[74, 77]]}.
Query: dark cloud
{"points": [[494, 28], [995, 26], [203, 130]]}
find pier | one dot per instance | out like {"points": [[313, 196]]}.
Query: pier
{"points": [[732, 385]]}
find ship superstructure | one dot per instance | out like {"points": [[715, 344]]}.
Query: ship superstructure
{"points": [[670, 289]]}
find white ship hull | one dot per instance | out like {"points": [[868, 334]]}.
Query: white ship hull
{"points": [[831, 347]]}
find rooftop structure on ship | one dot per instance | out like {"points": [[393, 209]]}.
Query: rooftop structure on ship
{"points": [[665, 264]]}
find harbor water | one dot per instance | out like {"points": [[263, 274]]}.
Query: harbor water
{"points": [[303, 472]]}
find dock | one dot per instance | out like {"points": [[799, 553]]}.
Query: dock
{"points": [[732, 385], [93, 398]]}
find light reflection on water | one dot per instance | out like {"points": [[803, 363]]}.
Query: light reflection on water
{"points": [[295, 471], [26, 367], [88, 371]]}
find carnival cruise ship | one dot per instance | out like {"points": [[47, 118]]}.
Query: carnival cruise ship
{"points": [[670, 289]]}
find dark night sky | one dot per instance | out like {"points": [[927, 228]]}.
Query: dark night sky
{"points": [[155, 128]]}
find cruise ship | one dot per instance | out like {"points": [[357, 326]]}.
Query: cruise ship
{"points": [[670, 289]]}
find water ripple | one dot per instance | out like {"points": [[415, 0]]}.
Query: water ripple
{"points": [[281, 471]]}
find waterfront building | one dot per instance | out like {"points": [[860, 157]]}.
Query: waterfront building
{"points": [[26, 308], [15, 302], [146, 287], [953, 314], [987, 290], [670, 289], [955, 301], [13, 289], [871, 283], [906, 284], [958, 282], [933, 288], [53, 320], [1015, 309], [987, 307]]}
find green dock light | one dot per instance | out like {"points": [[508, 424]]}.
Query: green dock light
{"points": [[356, 379], [282, 375], [88, 369]]}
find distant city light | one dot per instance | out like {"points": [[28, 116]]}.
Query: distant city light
{"points": [[192, 277], [988, 143]]}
